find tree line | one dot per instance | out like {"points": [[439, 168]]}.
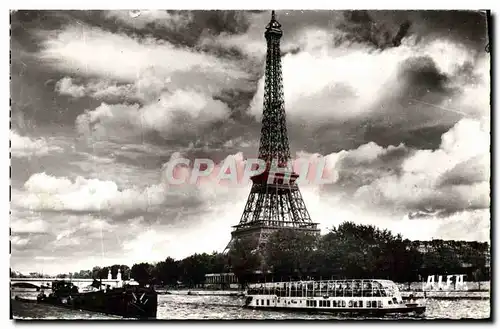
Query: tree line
{"points": [[347, 251], [189, 271], [356, 251]]}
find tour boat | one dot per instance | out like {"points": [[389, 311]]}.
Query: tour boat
{"points": [[372, 296]]}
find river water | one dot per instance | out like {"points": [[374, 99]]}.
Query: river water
{"points": [[188, 307]]}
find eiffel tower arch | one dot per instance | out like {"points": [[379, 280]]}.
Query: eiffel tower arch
{"points": [[275, 201]]}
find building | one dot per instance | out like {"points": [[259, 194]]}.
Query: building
{"points": [[275, 201]]}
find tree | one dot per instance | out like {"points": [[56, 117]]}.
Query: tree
{"points": [[219, 263], [141, 273], [96, 271], [83, 274], [288, 253], [408, 262], [327, 260], [245, 259], [349, 251], [360, 251], [194, 268], [167, 271]]}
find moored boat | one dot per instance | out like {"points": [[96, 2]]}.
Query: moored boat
{"points": [[372, 296], [130, 301]]}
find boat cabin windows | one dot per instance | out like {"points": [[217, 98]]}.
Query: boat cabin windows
{"points": [[324, 303], [374, 303], [268, 302], [311, 303], [339, 303]]}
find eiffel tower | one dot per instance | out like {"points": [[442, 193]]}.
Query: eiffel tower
{"points": [[275, 201]]}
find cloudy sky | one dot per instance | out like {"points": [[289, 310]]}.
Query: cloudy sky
{"points": [[397, 103]]}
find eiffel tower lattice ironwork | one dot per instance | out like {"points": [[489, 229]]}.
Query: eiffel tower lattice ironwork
{"points": [[274, 203]]}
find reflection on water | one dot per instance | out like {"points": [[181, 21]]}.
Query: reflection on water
{"points": [[183, 307]]}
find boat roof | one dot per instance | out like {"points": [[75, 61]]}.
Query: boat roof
{"points": [[382, 282]]}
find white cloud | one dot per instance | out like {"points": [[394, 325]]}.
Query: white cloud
{"points": [[475, 97], [28, 226], [17, 241], [24, 146], [420, 182], [22, 221], [45, 257], [95, 89], [65, 86], [175, 112], [45, 192], [91, 51]]}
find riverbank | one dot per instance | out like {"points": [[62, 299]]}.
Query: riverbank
{"points": [[468, 286], [200, 292], [447, 295]]}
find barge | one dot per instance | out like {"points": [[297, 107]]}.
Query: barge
{"points": [[128, 301]]}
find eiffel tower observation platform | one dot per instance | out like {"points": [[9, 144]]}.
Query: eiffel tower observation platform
{"points": [[275, 201], [273, 225]]}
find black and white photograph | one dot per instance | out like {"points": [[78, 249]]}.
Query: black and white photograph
{"points": [[267, 164]]}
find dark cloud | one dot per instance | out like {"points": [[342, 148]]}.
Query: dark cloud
{"points": [[39, 103], [422, 137], [359, 26], [25, 23], [201, 24], [421, 76], [408, 107], [467, 27], [384, 27]]}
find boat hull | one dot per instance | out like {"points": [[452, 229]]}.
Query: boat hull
{"points": [[129, 303], [418, 310]]}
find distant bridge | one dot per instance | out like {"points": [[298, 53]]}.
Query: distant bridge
{"points": [[39, 282]]}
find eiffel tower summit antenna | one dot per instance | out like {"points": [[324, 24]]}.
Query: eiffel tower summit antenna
{"points": [[274, 203]]}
